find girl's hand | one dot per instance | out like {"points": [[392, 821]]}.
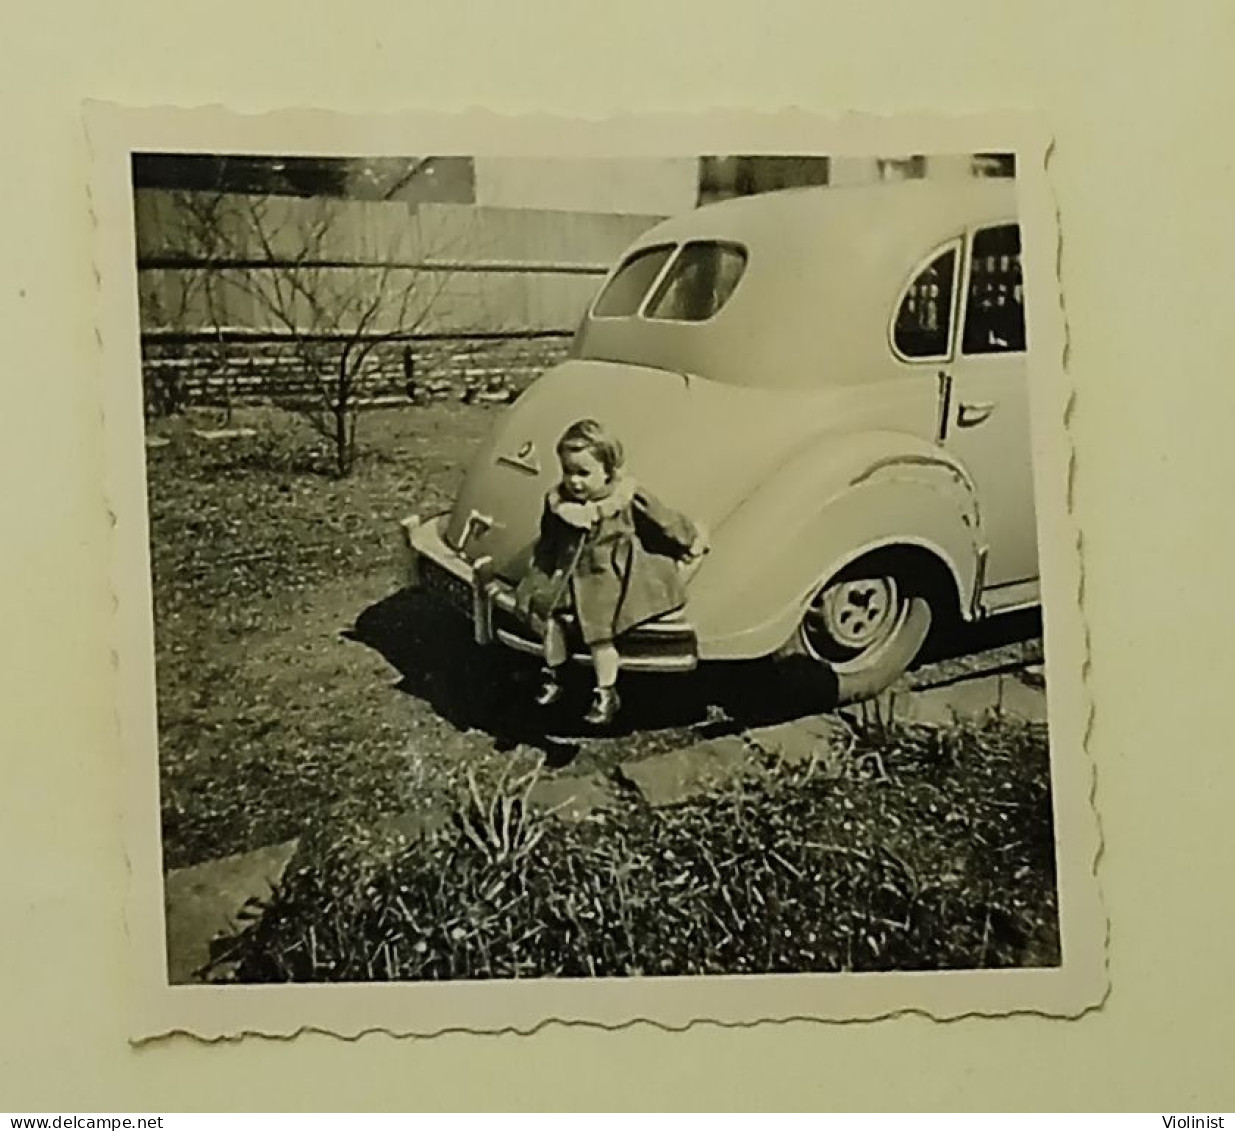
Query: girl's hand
{"points": [[698, 547]]}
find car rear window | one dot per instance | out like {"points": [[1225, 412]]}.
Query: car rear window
{"points": [[624, 294], [699, 282]]}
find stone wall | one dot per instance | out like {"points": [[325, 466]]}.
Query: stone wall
{"points": [[198, 372]]}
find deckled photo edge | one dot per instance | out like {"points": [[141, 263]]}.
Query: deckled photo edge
{"points": [[212, 1012]]}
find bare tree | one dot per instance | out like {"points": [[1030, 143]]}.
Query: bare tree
{"points": [[297, 268], [180, 300], [166, 307], [201, 240]]}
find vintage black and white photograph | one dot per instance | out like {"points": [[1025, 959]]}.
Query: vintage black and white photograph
{"points": [[578, 568]]}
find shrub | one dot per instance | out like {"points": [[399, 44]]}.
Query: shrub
{"points": [[942, 859]]}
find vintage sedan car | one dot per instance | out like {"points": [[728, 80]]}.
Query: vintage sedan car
{"points": [[834, 381]]}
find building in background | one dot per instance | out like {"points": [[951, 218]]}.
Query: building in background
{"points": [[651, 186], [720, 178], [410, 179]]}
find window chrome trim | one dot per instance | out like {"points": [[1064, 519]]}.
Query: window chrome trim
{"points": [[658, 282], [967, 277], [957, 245], [654, 290], [672, 248]]}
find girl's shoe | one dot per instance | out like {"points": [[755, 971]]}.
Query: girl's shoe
{"points": [[605, 704], [550, 690]]}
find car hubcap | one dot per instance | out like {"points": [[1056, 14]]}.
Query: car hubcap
{"points": [[851, 618]]}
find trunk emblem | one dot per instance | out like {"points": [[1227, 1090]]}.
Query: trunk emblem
{"points": [[525, 459]]}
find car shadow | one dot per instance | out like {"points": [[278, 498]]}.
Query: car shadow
{"points": [[490, 689], [956, 639], [437, 661]]}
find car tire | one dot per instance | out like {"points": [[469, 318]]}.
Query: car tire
{"points": [[863, 628]]}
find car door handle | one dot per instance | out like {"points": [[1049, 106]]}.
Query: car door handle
{"points": [[969, 415]]}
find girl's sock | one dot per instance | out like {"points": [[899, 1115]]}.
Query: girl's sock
{"points": [[607, 662]]}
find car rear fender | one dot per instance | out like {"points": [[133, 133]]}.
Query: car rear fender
{"points": [[828, 505]]}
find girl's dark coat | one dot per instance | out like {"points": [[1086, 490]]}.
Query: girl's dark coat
{"points": [[613, 563]]}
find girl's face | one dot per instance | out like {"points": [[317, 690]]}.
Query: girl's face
{"points": [[583, 476]]}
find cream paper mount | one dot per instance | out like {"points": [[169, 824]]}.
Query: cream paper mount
{"points": [[234, 253]]}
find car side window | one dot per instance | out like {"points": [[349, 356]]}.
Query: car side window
{"points": [[923, 327], [624, 294], [995, 306], [699, 283]]}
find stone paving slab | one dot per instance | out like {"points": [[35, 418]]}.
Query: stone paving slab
{"points": [[202, 902], [223, 433], [573, 797], [679, 775], [972, 699], [802, 741], [963, 669]]}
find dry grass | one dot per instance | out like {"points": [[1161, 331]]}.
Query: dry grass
{"points": [[936, 853]]}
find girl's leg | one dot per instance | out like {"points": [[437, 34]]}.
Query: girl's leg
{"points": [[554, 644], [607, 663], [605, 702], [555, 655]]}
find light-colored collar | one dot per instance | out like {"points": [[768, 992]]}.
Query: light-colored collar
{"points": [[584, 515]]}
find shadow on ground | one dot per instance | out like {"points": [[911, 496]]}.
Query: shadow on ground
{"points": [[490, 689], [957, 640]]}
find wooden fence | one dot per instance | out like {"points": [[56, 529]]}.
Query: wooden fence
{"points": [[467, 301], [211, 261]]}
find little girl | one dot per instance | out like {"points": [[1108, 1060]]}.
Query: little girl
{"points": [[609, 553]]}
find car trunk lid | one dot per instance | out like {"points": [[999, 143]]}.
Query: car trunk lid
{"points": [[699, 446]]}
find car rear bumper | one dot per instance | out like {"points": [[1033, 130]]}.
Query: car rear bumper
{"points": [[667, 644]]}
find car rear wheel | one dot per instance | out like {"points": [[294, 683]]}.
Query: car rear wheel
{"points": [[865, 626]]}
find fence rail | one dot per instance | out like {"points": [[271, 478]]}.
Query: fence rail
{"points": [[242, 335], [449, 266]]}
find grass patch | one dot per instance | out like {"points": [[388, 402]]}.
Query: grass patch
{"points": [[938, 853]]}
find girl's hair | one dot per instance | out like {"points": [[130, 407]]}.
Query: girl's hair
{"points": [[590, 436]]}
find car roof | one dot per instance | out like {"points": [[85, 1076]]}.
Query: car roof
{"points": [[825, 268], [905, 205]]}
